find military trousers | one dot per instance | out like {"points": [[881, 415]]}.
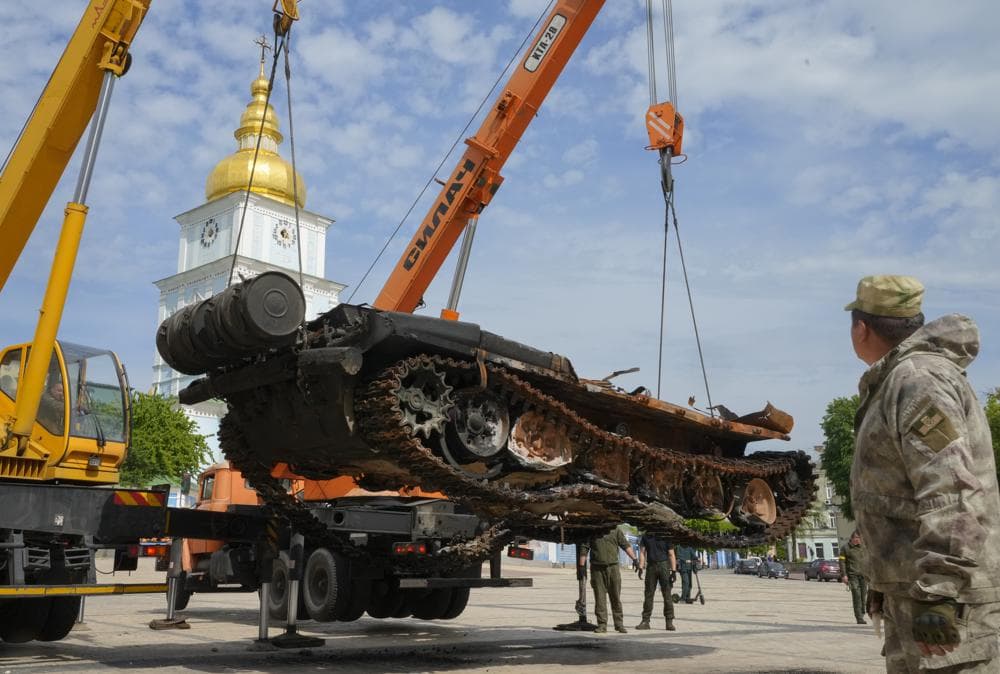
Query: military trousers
{"points": [[859, 594], [976, 654], [685, 573], [657, 575], [606, 579]]}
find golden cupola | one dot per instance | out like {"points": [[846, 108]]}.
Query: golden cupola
{"points": [[273, 175]]}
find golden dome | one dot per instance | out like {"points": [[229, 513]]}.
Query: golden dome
{"points": [[273, 175]]}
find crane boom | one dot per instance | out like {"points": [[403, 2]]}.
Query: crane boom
{"points": [[99, 44], [476, 177]]}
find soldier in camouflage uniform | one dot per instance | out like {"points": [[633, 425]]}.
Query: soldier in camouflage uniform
{"points": [[924, 484], [852, 560], [606, 577]]}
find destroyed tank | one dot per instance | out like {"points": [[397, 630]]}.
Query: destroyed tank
{"points": [[505, 430]]}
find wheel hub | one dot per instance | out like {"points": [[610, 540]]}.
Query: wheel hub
{"points": [[480, 424], [758, 501]]}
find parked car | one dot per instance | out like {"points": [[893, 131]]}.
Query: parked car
{"points": [[772, 570], [747, 566], [823, 569]]}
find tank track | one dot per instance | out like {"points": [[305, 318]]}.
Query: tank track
{"points": [[454, 557], [381, 421]]}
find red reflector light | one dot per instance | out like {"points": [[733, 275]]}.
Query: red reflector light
{"points": [[409, 549], [520, 553], [133, 551]]}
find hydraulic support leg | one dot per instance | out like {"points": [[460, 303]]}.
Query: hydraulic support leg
{"points": [[291, 638], [175, 576]]}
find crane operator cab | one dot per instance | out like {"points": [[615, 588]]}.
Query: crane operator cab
{"points": [[82, 426]]}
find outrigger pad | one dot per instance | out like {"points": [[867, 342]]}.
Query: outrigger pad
{"points": [[580, 625], [172, 624], [296, 640]]}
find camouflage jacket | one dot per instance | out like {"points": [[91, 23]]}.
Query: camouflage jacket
{"points": [[852, 560], [923, 481]]}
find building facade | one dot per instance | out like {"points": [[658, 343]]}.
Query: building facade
{"points": [[825, 530], [253, 220]]}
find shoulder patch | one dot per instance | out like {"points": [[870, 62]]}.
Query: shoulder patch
{"points": [[933, 428]]}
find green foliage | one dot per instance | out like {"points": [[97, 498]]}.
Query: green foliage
{"points": [[164, 442], [838, 431], [992, 409]]}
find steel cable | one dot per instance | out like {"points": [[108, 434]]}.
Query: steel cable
{"points": [[458, 139]]}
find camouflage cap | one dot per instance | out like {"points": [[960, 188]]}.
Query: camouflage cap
{"points": [[888, 295]]}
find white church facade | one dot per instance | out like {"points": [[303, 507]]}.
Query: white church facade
{"points": [[215, 251]]}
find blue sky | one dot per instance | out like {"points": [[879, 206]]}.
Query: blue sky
{"points": [[826, 140]]}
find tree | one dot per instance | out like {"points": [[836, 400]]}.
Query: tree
{"points": [[992, 409], [838, 431], [164, 442]]}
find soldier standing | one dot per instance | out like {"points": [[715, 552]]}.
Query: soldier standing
{"points": [[686, 559], [606, 577], [657, 559], [924, 483], [852, 560]]}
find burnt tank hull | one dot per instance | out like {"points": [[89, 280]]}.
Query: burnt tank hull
{"points": [[505, 429]]}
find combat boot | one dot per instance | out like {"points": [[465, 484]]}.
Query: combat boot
{"points": [[670, 625], [601, 629], [644, 625]]}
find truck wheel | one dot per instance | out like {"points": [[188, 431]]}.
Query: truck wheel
{"points": [[433, 605], [181, 599], [405, 610], [277, 597], [358, 597], [459, 600], [25, 620], [386, 600], [62, 616], [325, 585]]}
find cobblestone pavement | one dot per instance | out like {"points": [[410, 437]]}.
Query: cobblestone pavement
{"points": [[747, 624]]}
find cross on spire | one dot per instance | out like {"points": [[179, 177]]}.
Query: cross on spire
{"points": [[264, 45]]}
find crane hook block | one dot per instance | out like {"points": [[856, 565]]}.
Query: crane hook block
{"points": [[665, 127]]}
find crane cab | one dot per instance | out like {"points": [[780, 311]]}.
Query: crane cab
{"points": [[81, 431]]}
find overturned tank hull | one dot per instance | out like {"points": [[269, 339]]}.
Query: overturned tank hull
{"points": [[504, 429]]}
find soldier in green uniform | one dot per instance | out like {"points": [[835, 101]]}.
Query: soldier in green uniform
{"points": [[606, 577], [852, 559], [657, 559], [686, 559], [924, 484]]}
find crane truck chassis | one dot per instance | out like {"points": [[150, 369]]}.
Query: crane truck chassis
{"points": [[381, 561]]}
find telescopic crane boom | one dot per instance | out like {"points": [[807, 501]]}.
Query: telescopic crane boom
{"points": [[79, 89], [476, 177]]}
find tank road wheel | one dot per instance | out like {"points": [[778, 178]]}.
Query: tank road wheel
{"points": [[432, 605], [540, 443], [425, 400], [758, 501], [708, 494], [24, 620], [476, 432], [61, 618], [325, 585]]}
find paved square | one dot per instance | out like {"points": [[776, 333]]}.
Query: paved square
{"points": [[747, 624]]}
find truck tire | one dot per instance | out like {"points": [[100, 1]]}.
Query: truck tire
{"points": [[432, 605], [24, 620], [359, 595], [181, 599], [405, 610], [62, 616], [325, 585], [386, 599], [459, 600], [277, 597]]}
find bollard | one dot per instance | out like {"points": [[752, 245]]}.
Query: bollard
{"points": [[175, 576], [291, 638]]}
